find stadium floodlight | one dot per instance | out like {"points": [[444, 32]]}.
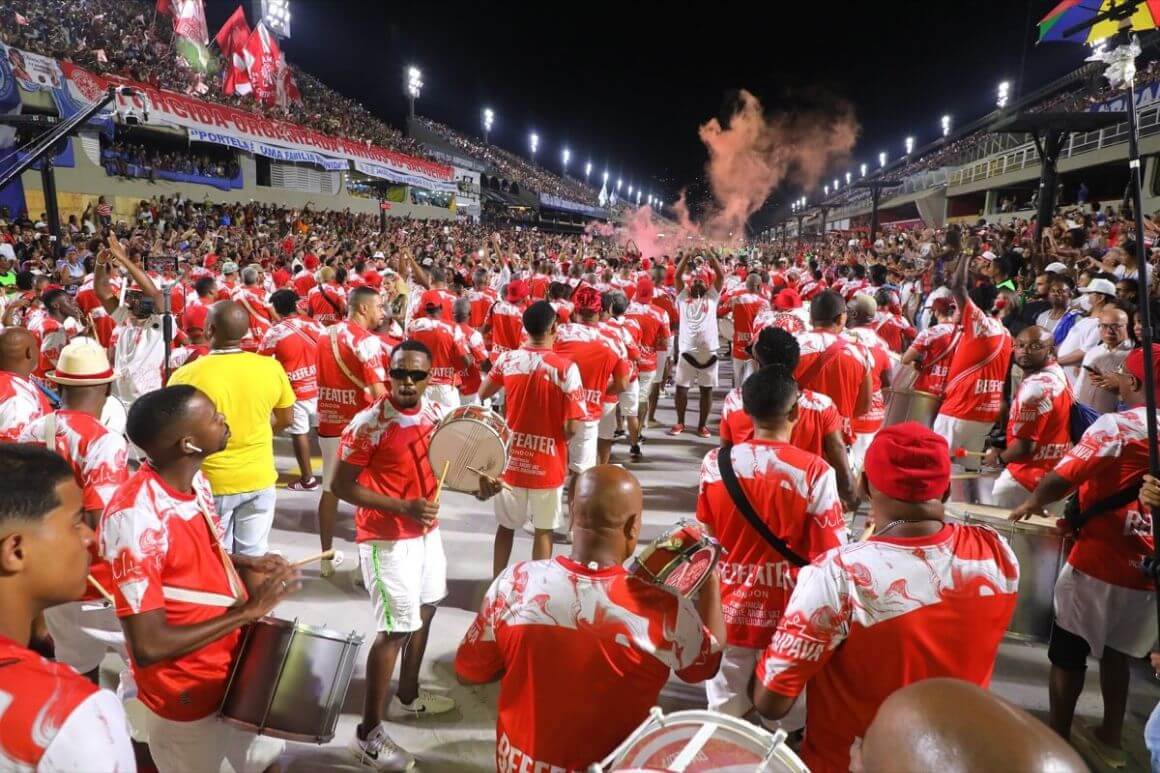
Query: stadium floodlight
{"points": [[909, 145], [488, 120], [567, 154], [1004, 94], [863, 170], [534, 141], [276, 17], [618, 183], [605, 176], [946, 125], [848, 178], [882, 159], [414, 86], [649, 200], [826, 190], [630, 189], [638, 197], [587, 170]]}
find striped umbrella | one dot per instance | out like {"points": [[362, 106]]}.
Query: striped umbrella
{"points": [[1069, 13]]}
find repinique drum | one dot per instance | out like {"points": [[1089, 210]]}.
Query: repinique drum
{"points": [[1041, 550], [290, 680], [973, 488], [681, 558], [694, 741], [911, 405], [469, 436]]}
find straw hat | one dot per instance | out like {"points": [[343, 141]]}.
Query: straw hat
{"points": [[82, 363]]}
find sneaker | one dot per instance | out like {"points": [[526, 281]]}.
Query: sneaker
{"points": [[703, 432], [327, 569], [634, 452], [677, 429], [310, 484], [1091, 747], [378, 751], [426, 703], [619, 433]]}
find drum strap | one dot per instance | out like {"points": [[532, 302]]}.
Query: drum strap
{"points": [[332, 334], [816, 366], [692, 361], [733, 486], [1077, 519]]}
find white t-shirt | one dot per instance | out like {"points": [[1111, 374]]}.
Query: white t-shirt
{"points": [[1106, 361], [698, 319], [1083, 336], [138, 353]]}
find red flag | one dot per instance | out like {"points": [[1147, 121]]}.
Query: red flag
{"points": [[232, 37], [190, 21], [165, 7], [23, 22], [288, 93], [262, 57]]}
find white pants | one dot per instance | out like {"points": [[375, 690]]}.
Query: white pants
{"points": [[742, 369], [961, 433], [444, 394], [582, 446], [862, 441], [1105, 615], [728, 691], [401, 577], [83, 631], [208, 745], [246, 519], [515, 507]]}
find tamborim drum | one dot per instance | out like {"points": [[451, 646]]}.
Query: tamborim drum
{"points": [[469, 436], [1041, 550], [910, 405], [681, 558], [290, 680], [693, 741]]}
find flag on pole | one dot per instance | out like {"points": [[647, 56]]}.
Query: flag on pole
{"points": [[189, 22], [603, 198], [164, 7], [231, 40], [262, 57]]}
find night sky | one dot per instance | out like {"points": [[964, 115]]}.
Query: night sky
{"points": [[627, 86]]}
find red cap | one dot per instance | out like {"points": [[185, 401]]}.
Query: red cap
{"points": [[787, 299], [1135, 365], [587, 299], [431, 300], [310, 261], [517, 290], [908, 462], [645, 264], [644, 290]]}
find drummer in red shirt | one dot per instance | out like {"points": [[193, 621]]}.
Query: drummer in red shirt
{"points": [[504, 322], [449, 349], [181, 598], [920, 598], [745, 306], [931, 352], [1105, 604], [580, 647], [833, 365]]}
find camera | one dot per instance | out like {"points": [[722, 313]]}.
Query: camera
{"points": [[144, 308]]}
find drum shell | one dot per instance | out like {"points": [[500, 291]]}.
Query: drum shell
{"points": [[469, 435], [290, 680], [1041, 551], [910, 405], [974, 489]]}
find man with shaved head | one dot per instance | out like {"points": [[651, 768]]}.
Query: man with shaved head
{"points": [[553, 630], [21, 401], [954, 726], [247, 389]]}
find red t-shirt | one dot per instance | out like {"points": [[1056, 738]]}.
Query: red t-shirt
{"points": [[303, 281], [470, 378], [51, 336], [196, 314], [935, 344], [796, 493], [654, 333], [665, 302], [447, 345], [294, 343], [481, 302], [563, 311], [879, 362], [598, 360], [840, 378], [817, 417], [1040, 413], [625, 333], [746, 308], [253, 300], [978, 368], [281, 277], [21, 402], [871, 617], [507, 327], [895, 330], [1112, 454], [542, 391], [539, 287], [164, 556], [782, 320], [556, 629], [390, 445], [339, 398], [327, 303]]}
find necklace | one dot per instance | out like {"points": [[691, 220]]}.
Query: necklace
{"points": [[892, 524]]}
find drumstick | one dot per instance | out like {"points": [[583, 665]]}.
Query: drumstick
{"points": [[326, 555], [101, 590], [961, 452], [442, 477], [867, 532], [503, 484]]}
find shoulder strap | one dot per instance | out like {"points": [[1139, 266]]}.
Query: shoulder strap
{"points": [[816, 366], [733, 486], [946, 352], [1077, 519], [333, 335]]}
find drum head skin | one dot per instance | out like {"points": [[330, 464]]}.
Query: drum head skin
{"points": [[467, 443]]}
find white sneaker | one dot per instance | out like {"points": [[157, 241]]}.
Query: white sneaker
{"points": [[378, 751], [426, 703]]}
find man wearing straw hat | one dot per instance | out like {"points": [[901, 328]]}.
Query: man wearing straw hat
{"points": [[84, 630]]}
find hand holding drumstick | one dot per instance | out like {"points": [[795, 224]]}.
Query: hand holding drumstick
{"points": [[488, 486]]}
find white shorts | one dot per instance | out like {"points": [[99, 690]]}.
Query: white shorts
{"points": [[305, 416], [582, 447], [1105, 615], [444, 394], [645, 382], [401, 577], [728, 691], [862, 441], [607, 430], [83, 631], [541, 505], [689, 376], [629, 399], [208, 744], [742, 370], [961, 433], [472, 399], [329, 447]]}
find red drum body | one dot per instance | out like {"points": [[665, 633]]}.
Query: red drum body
{"points": [[681, 558]]}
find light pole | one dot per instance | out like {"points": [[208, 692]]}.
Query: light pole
{"points": [[848, 178], [567, 155], [414, 86], [882, 160], [488, 120], [909, 145], [534, 141], [863, 170], [946, 125], [587, 170]]}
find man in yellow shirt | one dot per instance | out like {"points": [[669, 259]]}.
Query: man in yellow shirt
{"points": [[255, 396]]}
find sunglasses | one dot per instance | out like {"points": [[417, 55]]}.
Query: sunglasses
{"points": [[402, 374]]}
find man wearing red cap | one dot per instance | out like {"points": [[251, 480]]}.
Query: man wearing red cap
{"points": [[785, 314], [921, 598], [932, 348], [890, 325], [450, 351], [1104, 599], [697, 341], [745, 306], [654, 347]]}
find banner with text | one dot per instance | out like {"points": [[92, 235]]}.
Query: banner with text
{"points": [[396, 175], [269, 151], [32, 71], [555, 202], [1145, 95]]}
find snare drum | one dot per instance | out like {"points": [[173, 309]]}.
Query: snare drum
{"points": [[290, 680], [693, 741], [469, 436], [681, 558], [1041, 551], [911, 405]]}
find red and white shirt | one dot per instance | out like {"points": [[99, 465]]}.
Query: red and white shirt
{"points": [[98, 460], [782, 320], [564, 310], [654, 333], [895, 330], [21, 403], [746, 308], [878, 359], [253, 300], [542, 393], [507, 327], [610, 628], [1112, 454], [796, 493], [871, 617], [599, 359], [817, 417], [481, 302], [327, 303], [390, 446], [936, 345], [304, 282], [164, 555], [1040, 413], [625, 332], [339, 398], [447, 344], [51, 336], [470, 378], [196, 313], [840, 378], [53, 720], [978, 368], [293, 341]]}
